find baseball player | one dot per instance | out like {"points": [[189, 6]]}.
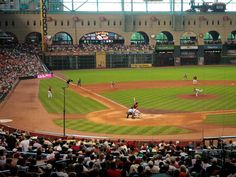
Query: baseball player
{"points": [[185, 77], [79, 82], [49, 92], [195, 80], [130, 112], [197, 91], [112, 84]]}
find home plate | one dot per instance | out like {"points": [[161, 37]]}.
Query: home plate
{"points": [[151, 116], [5, 120], [132, 119]]}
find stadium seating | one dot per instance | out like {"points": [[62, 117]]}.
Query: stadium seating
{"points": [[99, 47], [22, 154], [18, 62]]}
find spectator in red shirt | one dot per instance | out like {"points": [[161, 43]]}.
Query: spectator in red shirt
{"points": [[113, 171]]}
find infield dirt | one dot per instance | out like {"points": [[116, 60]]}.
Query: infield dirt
{"points": [[27, 113]]}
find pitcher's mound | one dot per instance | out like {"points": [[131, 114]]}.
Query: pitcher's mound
{"points": [[199, 97]]}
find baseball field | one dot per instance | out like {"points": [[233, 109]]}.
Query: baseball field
{"points": [[170, 109]]}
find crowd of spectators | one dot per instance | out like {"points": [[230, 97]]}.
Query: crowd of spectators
{"points": [[23, 155], [92, 48], [16, 62]]}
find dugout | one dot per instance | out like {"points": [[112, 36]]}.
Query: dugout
{"points": [[164, 55], [212, 54], [189, 55]]}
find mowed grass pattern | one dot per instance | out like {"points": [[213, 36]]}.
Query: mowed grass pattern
{"points": [[75, 104], [221, 119], [84, 125], [161, 99], [166, 98], [151, 74]]}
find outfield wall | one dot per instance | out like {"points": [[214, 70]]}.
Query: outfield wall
{"points": [[128, 60], [112, 60]]}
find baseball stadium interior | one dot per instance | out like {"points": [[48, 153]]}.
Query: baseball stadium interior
{"points": [[43, 39]]}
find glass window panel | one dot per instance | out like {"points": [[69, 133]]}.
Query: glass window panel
{"points": [[88, 7], [139, 5], [231, 6], [136, 5], [159, 6], [82, 5], [67, 5], [109, 5], [186, 6], [127, 5]]}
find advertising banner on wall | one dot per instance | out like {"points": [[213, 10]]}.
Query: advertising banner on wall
{"points": [[165, 47], [189, 47], [213, 47]]}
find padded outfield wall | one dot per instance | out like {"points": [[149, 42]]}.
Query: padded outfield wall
{"points": [[120, 60], [112, 60]]}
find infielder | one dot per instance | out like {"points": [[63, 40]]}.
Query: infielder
{"points": [[197, 91], [195, 80]]}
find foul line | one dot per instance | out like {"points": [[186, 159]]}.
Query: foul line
{"points": [[87, 90], [201, 112]]}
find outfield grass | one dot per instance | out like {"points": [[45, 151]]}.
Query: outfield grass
{"points": [[75, 103], [84, 125], [165, 98], [221, 119], [150, 74], [159, 98]]}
